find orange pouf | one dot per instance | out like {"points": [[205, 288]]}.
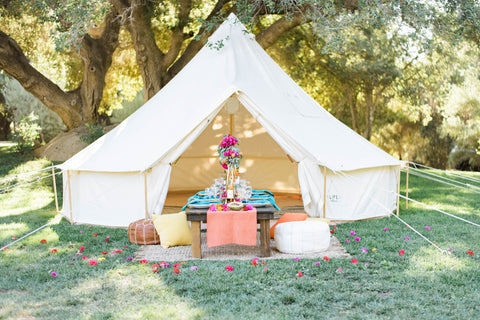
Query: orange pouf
{"points": [[143, 232]]}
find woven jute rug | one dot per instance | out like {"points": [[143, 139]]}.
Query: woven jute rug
{"points": [[231, 252]]}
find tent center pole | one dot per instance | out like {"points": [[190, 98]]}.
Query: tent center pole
{"points": [[70, 196], [55, 189], [324, 192], [231, 124]]}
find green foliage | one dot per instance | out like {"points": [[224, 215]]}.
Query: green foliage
{"points": [[21, 103], [94, 131], [25, 133], [464, 160]]}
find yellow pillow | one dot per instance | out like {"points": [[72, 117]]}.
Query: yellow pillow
{"points": [[173, 229]]}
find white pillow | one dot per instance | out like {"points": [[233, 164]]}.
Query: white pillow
{"points": [[302, 236]]}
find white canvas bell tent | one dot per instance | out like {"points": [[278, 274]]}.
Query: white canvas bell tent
{"points": [[290, 143]]}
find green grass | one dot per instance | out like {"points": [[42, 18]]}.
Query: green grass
{"points": [[421, 284]]}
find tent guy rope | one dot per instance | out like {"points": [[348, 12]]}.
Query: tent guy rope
{"points": [[55, 220], [421, 235]]}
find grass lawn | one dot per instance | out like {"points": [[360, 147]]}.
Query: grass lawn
{"points": [[423, 283]]}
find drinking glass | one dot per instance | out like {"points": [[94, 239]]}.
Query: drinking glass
{"points": [[248, 192]]}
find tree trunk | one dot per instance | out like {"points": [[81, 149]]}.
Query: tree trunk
{"points": [[352, 102], [369, 114], [80, 105]]}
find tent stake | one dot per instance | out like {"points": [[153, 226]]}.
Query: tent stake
{"points": [[70, 196], [324, 191], [55, 189], [406, 188], [146, 196], [398, 193]]}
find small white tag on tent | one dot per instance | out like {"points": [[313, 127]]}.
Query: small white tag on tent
{"points": [[334, 197]]}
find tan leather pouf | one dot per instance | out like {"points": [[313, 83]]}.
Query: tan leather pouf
{"points": [[143, 232]]}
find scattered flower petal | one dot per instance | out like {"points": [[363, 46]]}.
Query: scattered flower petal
{"points": [[406, 238], [53, 274], [339, 269], [84, 258], [347, 240], [229, 268], [43, 241], [332, 231], [354, 260], [374, 249], [176, 265], [95, 234], [104, 252], [193, 268], [326, 258], [92, 262], [80, 231], [428, 227], [265, 269], [144, 261], [401, 252], [102, 259], [357, 239], [297, 259], [470, 253], [81, 249], [254, 263], [352, 233], [299, 274], [176, 270], [129, 259], [317, 263], [249, 207], [53, 250], [365, 250], [385, 229]]}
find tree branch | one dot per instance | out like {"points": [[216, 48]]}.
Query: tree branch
{"points": [[14, 62], [195, 45], [271, 34], [178, 36]]}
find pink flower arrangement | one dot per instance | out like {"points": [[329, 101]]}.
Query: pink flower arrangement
{"points": [[228, 153]]}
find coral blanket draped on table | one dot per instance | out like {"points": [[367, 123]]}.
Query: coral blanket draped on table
{"points": [[227, 227]]}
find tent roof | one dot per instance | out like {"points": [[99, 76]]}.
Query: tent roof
{"points": [[231, 63]]}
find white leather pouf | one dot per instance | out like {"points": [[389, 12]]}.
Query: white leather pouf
{"points": [[302, 236]]}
